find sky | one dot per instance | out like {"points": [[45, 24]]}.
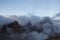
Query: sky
{"points": [[29, 7]]}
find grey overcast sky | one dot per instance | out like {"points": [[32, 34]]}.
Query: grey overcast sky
{"points": [[34, 7]]}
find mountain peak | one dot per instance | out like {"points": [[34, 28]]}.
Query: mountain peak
{"points": [[58, 14]]}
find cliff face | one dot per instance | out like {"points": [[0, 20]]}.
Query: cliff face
{"points": [[14, 26]]}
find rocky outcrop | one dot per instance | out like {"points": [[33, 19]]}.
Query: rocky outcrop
{"points": [[14, 25]]}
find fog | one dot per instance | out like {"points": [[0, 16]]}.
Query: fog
{"points": [[35, 20]]}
